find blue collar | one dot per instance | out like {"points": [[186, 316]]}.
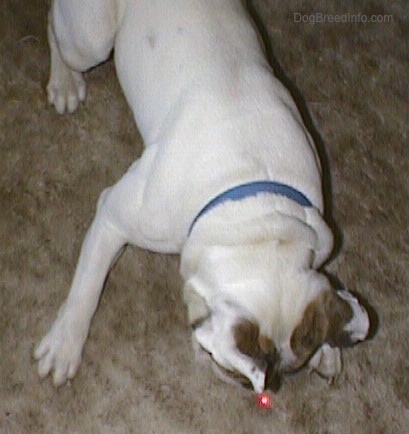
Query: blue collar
{"points": [[252, 189]]}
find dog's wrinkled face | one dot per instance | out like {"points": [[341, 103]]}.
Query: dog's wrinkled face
{"points": [[242, 354]]}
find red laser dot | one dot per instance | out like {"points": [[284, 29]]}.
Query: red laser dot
{"points": [[264, 400]]}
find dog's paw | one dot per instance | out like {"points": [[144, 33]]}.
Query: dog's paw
{"points": [[60, 351], [326, 362], [66, 89]]}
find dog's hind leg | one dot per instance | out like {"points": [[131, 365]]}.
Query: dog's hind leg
{"points": [[81, 35]]}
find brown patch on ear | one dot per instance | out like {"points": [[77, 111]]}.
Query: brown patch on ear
{"points": [[312, 330], [246, 335], [324, 320], [339, 314], [261, 349]]}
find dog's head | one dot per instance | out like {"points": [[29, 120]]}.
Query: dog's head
{"points": [[256, 302], [243, 351]]}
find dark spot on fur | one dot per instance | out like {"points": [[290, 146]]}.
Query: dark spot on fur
{"points": [[151, 40]]}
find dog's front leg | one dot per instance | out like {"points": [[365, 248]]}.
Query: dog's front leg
{"points": [[60, 350], [66, 87], [81, 35]]}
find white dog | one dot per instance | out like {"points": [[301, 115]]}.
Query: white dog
{"points": [[230, 178]]}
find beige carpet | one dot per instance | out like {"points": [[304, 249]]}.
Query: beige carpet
{"points": [[138, 373]]}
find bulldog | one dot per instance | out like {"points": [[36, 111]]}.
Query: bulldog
{"points": [[229, 178]]}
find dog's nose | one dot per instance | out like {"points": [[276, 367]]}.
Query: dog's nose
{"points": [[272, 379]]}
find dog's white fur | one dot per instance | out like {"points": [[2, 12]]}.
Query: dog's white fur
{"points": [[212, 116]]}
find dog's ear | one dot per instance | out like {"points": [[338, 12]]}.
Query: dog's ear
{"points": [[261, 349], [334, 317], [349, 321], [311, 332], [340, 313]]}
